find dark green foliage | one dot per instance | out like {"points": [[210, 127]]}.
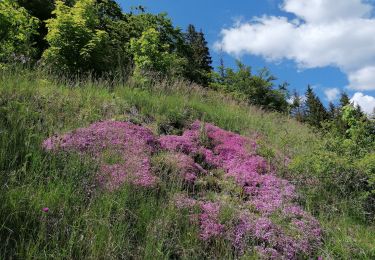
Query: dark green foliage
{"points": [[315, 112], [17, 30], [341, 168], [109, 11], [41, 9], [95, 36], [198, 55], [344, 99], [255, 89], [332, 111], [81, 37]]}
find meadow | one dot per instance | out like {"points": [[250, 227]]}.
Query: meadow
{"points": [[52, 205]]}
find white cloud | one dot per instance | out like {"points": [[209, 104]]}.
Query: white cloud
{"points": [[320, 11], [367, 103], [332, 94], [363, 79], [325, 33]]}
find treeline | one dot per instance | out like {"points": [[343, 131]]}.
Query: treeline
{"points": [[97, 37], [338, 119], [78, 37]]}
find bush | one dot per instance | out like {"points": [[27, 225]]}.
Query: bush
{"points": [[151, 54], [17, 28], [76, 45], [367, 166]]}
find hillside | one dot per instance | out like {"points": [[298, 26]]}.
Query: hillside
{"points": [[141, 178]]}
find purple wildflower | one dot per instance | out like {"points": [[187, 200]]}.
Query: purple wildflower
{"points": [[264, 191], [209, 223], [262, 197], [134, 144]]}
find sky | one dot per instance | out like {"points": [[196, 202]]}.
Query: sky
{"points": [[329, 44]]}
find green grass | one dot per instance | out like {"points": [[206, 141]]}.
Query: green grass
{"points": [[130, 223]]}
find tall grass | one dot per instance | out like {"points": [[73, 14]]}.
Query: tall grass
{"points": [[84, 221]]}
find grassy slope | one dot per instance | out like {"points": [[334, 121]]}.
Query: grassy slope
{"points": [[85, 223]]}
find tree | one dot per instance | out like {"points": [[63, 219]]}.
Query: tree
{"points": [[332, 113], [17, 28], [109, 12], [255, 89], [133, 26], [344, 100], [360, 131], [41, 9], [152, 55], [315, 112], [75, 43], [198, 54]]}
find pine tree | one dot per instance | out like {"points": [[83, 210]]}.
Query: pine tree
{"points": [[344, 100], [315, 111], [222, 68], [331, 111], [199, 67]]}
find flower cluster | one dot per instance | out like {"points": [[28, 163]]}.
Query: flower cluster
{"points": [[122, 149], [236, 155], [267, 200], [209, 222], [252, 208], [188, 169]]}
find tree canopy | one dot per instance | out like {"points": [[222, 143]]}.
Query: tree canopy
{"points": [[17, 28]]}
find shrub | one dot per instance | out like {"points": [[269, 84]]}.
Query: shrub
{"points": [[367, 166], [151, 54], [76, 45], [17, 28]]}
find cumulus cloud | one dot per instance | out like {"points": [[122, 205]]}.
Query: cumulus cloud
{"points": [[318, 11], [363, 79], [323, 33], [367, 103], [332, 94]]}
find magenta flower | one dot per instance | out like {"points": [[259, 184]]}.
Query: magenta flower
{"points": [[124, 150], [133, 145]]}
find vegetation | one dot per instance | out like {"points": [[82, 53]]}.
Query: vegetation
{"points": [[255, 89], [135, 85], [17, 28]]}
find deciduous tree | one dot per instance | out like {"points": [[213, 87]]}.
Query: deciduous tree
{"points": [[17, 28]]}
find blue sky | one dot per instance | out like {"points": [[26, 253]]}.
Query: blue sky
{"points": [[330, 46]]}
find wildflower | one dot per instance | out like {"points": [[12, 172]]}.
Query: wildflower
{"points": [[210, 226], [263, 196], [133, 143], [45, 210]]}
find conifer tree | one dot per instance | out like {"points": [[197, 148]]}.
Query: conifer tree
{"points": [[331, 111], [199, 67], [315, 111], [344, 100]]}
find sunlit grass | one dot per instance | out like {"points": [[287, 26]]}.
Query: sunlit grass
{"points": [[84, 221]]}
